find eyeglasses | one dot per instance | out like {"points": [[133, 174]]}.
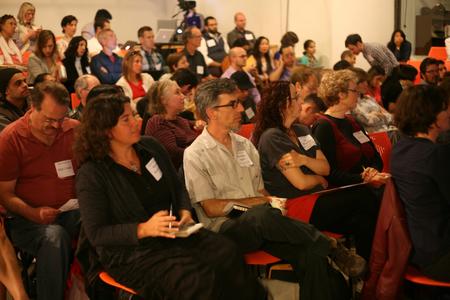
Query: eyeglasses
{"points": [[233, 103], [353, 90], [52, 121]]}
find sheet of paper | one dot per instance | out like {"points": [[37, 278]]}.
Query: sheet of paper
{"points": [[72, 204]]}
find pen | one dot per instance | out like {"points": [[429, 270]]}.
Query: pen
{"points": [[170, 214]]}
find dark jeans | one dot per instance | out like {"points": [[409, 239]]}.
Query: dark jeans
{"points": [[351, 211], [51, 245], [303, 246]]}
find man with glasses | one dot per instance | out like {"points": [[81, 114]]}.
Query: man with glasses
{"points": [[222, 168], [37, 177], [13, 96], [286, 64], [429, 71], [192, 38]]}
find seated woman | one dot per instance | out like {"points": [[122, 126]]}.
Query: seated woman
{"points": [[372, 116], [75, 61], [27, 32], [293, 165], [376, 75], [45, 57], [399, 46], [126, 187], [135, 84], [175, 61], [175, 133], [10, 55], [261, 59], [420, 171], [349, 151], [308, 58]]}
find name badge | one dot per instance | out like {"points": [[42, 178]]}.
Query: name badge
{"points": [[153, 168], [211, 43], [158, 67], [249, 36], [361, 137], [88, 70], [200, 70], [249, 113], [243, 159], [307, 141], [64, 168]]}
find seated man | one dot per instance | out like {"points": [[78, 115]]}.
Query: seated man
{"points": [[213, 47], [152, 61], [83, 85], [286, 64], [13, 96], [192, 38], [240, 31], [221, 167], [429, 71], [106, 65], [37, 177], [244, 84]]}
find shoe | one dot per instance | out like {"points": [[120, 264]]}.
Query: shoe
{"points": [[350, 263]]}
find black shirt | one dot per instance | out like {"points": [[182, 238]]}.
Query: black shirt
{"points": [[273, 144], [197, 64]]}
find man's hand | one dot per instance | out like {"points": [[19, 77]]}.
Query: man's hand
{"points": [[44, 215]]}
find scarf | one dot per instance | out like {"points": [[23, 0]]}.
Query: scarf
{"points": [[9, 48]]}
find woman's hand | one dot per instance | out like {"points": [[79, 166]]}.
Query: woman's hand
{"points": [[159, 225], [186, 217], [322, 181], [199, 125], [292, 159], [375, 178]]}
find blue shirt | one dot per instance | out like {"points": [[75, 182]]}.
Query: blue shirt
{"points": [[107, 71]]}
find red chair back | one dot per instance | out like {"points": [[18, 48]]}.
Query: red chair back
{"points": [[75, 100], [438, 53], [384, 148], [414, 275], [416, 64], [246, 130], [110, 281], [260, 258]]}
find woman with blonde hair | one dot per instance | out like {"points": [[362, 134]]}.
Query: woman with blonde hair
{"points": [[135, 84], [44, 59], [27, 33]]}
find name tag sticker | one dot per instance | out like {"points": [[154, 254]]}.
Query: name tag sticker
{"points": [[158, 67], [249, 36], [243, 159], [153, 168], [307, 141], [211, 43], [361, 137], [249, 113], [64, 168], [200, 70]]}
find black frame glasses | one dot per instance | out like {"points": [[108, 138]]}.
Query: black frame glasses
{"points": [[233, 103]]}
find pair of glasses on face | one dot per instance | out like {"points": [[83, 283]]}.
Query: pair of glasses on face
{"points": [[48, 120], [233, 103], [354, 91]]}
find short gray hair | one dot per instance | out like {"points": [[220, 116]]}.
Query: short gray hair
{"points": [[208, 93], [82, 83]]}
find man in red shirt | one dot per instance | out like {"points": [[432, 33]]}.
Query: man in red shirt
{"points": [[37, 176]]}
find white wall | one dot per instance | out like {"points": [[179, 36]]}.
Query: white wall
{"points": [[327, 22]]}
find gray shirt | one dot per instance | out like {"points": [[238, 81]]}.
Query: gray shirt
{"points": [[213, 172], [380, 55]]}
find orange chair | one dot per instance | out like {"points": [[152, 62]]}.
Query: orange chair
{"points": [[260, 258], [75, 100], [246, 130], [416, 64], [414, 275], [109, 280], [438, 53], [384, 148]]}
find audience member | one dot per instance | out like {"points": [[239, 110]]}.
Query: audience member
{"points": [[341, 65], [43, 77], [348, 56], [192, 38], [261, 59], [349, 151], [44, 59], [152, 61], [126, 214], [420, 170], [394, 85], [375, 54], [187, 81], [221, 167], [285, 65], [106, 65], [175, 61], [305, 81], [75, 61], [134, 82], [83, 85], [244, 84], [27, 32], [308, 57], [13, 96], [372, 116], [293, 165], [175, 133], [310, 109], [429, 71], [240, 32], [213, 47], [289, 38], [37, 178], [88, 31], [10, 55], [442, 70], [238, 58], [93, 44], [69, 28], [375, 78], [399, 46]]}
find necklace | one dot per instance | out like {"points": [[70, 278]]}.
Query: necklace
{"points": [[131, 165]]}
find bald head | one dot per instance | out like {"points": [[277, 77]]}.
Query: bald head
{"points": [[238, 57], [240, 20]]}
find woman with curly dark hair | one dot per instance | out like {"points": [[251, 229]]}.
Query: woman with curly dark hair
{"points": [[127, 189], [75, 61], [420, 171], [294, 167]]}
